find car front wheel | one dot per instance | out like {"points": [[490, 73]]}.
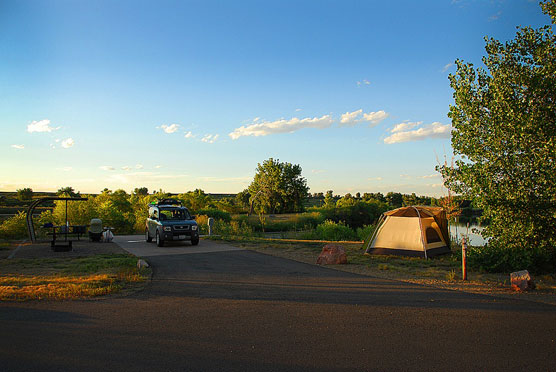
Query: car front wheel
{"points": [[159, 241], [194, 241]]}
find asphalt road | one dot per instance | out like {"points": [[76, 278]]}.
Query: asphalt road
{"points": [[230, 309]]}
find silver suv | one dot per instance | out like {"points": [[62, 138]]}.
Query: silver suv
{"points": [[168, 220]]}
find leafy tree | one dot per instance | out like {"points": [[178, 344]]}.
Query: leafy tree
{"points": [[25, 194], [394, 199], [196, 200], [329, 201], [278, 187], [504, 121], [142, 191], [67, 191], [242, 198], [347, 201]]}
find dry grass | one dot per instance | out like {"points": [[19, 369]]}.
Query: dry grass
{"points": [[68, 278]]}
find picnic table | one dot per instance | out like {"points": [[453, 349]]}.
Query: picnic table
{"points": [[65, 231]]}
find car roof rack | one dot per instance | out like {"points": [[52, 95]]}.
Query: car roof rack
{"points": [[167, 202]]}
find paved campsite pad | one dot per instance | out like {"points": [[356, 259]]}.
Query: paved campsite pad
{"points": [[137, 245], [245, 311]]}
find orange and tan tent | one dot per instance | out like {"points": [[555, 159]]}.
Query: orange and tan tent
{"points": [[410, 231]]}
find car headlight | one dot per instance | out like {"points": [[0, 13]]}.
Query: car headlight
{"points": [[167, 228], [194, 227]]}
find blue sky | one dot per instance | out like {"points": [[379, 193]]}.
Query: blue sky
{"points": [[179, 95]]}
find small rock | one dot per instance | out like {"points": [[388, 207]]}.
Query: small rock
{"points": [[332, 254], [141, 264], [522, 281]]}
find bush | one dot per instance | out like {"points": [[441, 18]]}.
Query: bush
{"points": [[365, 232], [358, 214], [493, 258], [330, 230], [14, 227], [216, 214]]}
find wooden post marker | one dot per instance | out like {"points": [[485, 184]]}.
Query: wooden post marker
{"points": [[464, 258]]}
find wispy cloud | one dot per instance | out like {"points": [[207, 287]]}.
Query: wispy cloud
{"points": [[363, 82], [358, 116], [169, 129], [40, 126], [107, 167], [496, 16], [158, 166], [19, 147], [317, 171], [447, 66], [264, 128], [189, 135], [436, 175], [67, 143], [404, 132], [210, 138], [138, 166], [374, 179], [65, 169], [126, 168]]}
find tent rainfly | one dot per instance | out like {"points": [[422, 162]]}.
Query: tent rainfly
{"points": [[410, 231]]}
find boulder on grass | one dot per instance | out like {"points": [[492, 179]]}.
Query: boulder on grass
{"points": [[522, 281], [332, 254]]}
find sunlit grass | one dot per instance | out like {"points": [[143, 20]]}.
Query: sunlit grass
{"points": [[68, 278]]}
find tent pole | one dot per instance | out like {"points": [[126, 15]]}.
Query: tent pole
{"points": [[374, 233], [421, 228]]}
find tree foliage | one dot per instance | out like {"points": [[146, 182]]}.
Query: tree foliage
{"points": [[504, 120], [278, 187], [25, 194]]}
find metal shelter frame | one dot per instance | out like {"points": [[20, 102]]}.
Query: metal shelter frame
{"points": [[34, 204]]}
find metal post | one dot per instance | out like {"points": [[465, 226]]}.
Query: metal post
{"points": [[464, 258]]}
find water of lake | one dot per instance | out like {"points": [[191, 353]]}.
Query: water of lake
{"points": [[459, 228]]}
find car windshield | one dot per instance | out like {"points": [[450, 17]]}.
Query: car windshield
{"points": [[174, 214]]}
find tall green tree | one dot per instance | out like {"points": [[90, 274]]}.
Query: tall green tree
{"points": [[25, 194], [278, 187], [504, 120]]}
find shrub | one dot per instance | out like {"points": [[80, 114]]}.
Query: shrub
{"points": [[365, 232], [491, 258], [330, 230], [14, 227], [216, 214]]}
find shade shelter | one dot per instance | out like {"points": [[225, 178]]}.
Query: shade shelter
{"points": [[410, 231]]}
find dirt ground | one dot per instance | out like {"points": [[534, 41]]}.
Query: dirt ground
{"points": [[81, 248], [490, 289]]}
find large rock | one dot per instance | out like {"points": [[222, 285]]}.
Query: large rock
{"points": [[332, 254], [522, 281]]}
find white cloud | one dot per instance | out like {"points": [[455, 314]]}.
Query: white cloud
{"points": [[405, 126], [67, 143], [317, 171], [126, 168], [364, 82], [210, 138], [375, 179], [169, 129], [358, 116], [65, 169], [297, 109], [52, 146], [189, 135], [40, 126], [405, 134], [281, 126], [158, 166], [107, 167], [430, 176], [19, 147], [447, 67], [138, 166]]}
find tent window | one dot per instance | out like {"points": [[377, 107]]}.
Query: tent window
{"points": [[432, 235]]}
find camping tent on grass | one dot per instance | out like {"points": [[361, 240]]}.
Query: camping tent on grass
{"points": [[410, 231]]}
